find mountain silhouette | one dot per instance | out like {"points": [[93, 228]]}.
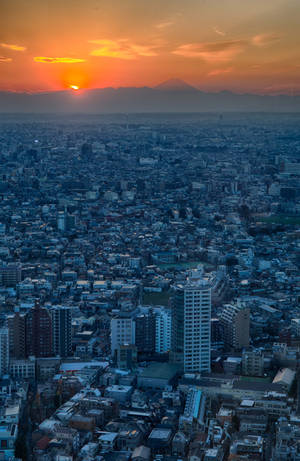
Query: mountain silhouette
{"points": [[175, 84], [174, 95]]}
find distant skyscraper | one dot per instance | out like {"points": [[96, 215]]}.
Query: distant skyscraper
{"points": [[235, 319], [17, 343], [61, 330], [65, 221], [191, 323], [61, 221], [4, 351], [145, 332], [39, 332]]}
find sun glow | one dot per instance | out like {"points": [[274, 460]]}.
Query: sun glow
{"points": [[74, 87]]}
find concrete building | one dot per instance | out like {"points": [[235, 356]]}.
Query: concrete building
{"points": [[22, 369], [122, 332], [248, 445], [4, 351], [160, 439], [191, 323], [235, 319], [39, 332], [253, 362], [61, 330], [287, 445], [158, 375], [8, 437], [127, 356], [163, 330], [118, 392], [10, 275], [145, 332], [285, 377], [194, 411], [179, 444], [217, 334], [17, 335]]}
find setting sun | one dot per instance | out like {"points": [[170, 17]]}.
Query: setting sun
{"points": [[74, 87]]}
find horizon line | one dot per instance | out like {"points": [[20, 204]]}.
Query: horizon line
{"points": [[155, 88]]}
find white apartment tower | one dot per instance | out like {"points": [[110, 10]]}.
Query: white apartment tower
{"points": [[191, 338], [163, 330]]}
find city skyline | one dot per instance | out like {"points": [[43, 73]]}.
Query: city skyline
{"points": [[214, 46]]}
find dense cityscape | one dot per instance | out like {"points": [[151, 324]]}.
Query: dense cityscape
{"points": [[149, 287]]}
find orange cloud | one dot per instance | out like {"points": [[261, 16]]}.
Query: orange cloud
{"points": [[13, 47], [121, 49], [164, 24], [287, 88], [3, 59], [213, 51], [219, 32], [48, 60], [265, 39], [216, 72]]}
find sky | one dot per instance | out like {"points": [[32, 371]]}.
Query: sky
{"points": [[237, 45]]}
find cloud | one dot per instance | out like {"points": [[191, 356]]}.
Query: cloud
{"points": [[164, 24], [265, 39], [219, 32], [121, 49], [287, 88], [212, 51], [49, 60], [216, 72], [13, 47], [4, 59]]}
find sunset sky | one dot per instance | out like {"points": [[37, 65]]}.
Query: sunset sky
{"points": [[237, 45]]}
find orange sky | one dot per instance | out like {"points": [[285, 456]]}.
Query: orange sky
{"points": [[238, 45]]}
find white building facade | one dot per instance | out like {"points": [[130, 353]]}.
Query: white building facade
{"points": [[122, 332], [191, 329], [163, 331]]}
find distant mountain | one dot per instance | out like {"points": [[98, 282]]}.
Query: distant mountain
{"points": [[171, 96], [175, 84]]}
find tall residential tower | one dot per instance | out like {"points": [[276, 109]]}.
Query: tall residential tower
{"points": [[191, 323], [61, 330]]}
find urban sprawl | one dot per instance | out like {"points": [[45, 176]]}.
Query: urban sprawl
{"points": [[150, 287]]}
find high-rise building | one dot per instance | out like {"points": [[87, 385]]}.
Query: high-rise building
{"points": [[39, 332], [17, 335], [65, 221], [235, 319], [191, 323], [163, 330], [61, 330], [122, 332], [4, 351], [145, 332]]}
